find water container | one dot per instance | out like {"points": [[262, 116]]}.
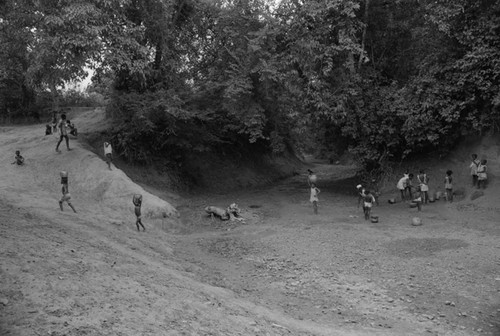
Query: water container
{"points": [[137, 199]]}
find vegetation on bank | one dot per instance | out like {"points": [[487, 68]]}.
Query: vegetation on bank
{"points": [[381, 79]]}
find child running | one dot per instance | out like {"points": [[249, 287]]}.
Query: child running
{"points": [[368, 201], [482, 176], [66, 196], [137, 200], [314, 197], [108, 151], [19, 160], [448, 186]]}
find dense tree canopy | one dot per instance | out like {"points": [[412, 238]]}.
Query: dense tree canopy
{"points": [[382, 79]]}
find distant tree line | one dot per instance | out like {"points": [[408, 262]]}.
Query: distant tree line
{"points": [[381, 79]]}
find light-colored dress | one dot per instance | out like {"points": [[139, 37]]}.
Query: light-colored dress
{"points": [[481, 172], [314, 195]]}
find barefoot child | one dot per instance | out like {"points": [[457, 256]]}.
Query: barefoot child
{"points": [[66, 196], [418, 198], [368, 201], [19, 160], [482, 176], [314, 197], [423, 182], [448, 186], [108, 151], [137, 200], [361, 194], [311, 178], [63, 129], [473, 169]]}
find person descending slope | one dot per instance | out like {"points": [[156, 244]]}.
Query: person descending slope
{"points": [[137, 200]]}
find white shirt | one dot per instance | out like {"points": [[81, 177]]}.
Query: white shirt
{"points": [[108, 149]]}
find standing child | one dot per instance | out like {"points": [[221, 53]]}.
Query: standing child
{"points": [[63, 129], [18, 159], [311, 177], [66, 196], [402, 186], [368, 201], [473, 169], [314, 197], [423, 181], [361, 194], [137, 200], [482, 176], [418, 198], [448, 186], [108, 151]]}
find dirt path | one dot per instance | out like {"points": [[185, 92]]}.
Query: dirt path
{"points": [[284, 272]]}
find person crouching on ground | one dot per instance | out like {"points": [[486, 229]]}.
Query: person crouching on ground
{"points": [[108, 152], [314, 197], [137, 200], [448, 186], [368, 201], [19, 160]]}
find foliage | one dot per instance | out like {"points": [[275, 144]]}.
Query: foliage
{"points": [[381, 79]]}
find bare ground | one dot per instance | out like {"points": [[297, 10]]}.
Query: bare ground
{"points": [[285, 271]]}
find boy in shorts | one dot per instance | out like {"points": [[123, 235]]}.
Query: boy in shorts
{"points": [[137, 200], [66, 196]]}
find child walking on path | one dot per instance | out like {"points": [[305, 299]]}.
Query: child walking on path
{"points": [[482, 176], [314, 197], [137, 200], [368, 201], [108, 151], [19, 160], [66, 196], [448, 186]]}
